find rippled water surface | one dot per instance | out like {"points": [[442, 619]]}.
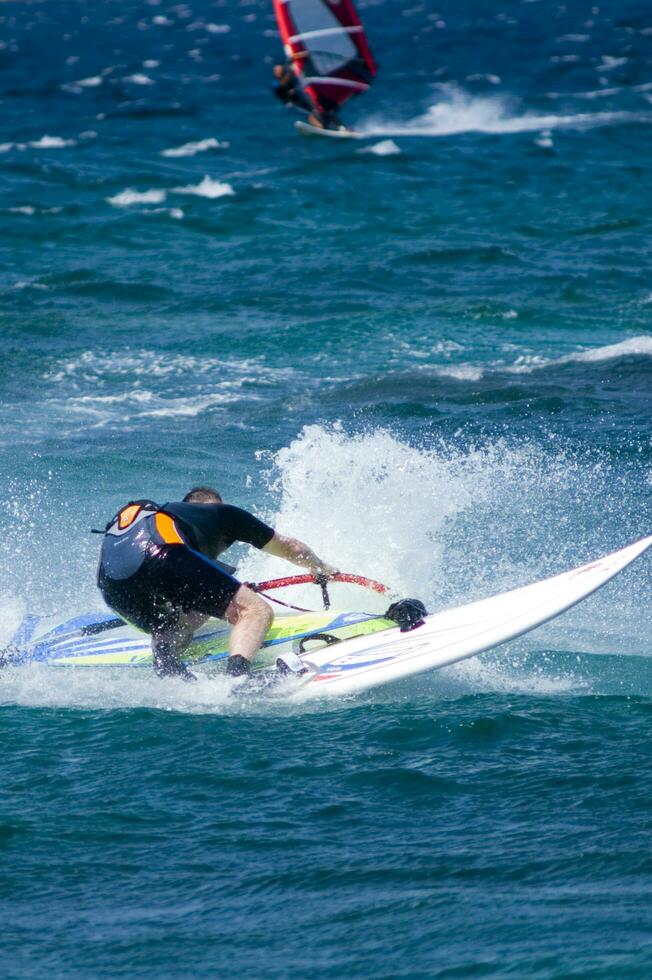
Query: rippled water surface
{"points": [[428, 352]]}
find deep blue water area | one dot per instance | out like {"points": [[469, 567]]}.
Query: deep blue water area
{"points": [[427, 352]]}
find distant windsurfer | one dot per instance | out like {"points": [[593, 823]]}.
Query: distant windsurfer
{"points": [[287, 88], [158, 572], [329, 59]]}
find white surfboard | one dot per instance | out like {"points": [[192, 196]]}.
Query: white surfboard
{"points": [[306, 129], [455, 634]]}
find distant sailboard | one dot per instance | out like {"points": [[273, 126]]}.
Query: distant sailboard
{"points": [[326, 45], [339, 134]]}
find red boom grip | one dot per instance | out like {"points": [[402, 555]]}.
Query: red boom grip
{"points": [[279, 583]]}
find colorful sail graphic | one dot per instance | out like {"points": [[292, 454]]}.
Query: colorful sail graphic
{"points": [[325, 42]]}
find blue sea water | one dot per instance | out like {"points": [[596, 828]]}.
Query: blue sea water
{"points": [[429, 354]]}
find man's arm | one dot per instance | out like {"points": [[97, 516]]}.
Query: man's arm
{"points": [[298, 553]]}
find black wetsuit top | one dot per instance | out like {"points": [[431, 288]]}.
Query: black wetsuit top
{"points": [[212, 528]]}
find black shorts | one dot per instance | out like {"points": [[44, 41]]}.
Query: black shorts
{"points": [[172, 580]]}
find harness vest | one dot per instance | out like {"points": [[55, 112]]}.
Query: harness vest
{"points": [[130, 534]]}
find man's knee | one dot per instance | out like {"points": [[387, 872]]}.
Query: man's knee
{"points": [[246, 603]]}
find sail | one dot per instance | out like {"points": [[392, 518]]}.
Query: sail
{"points": [[326, 44]]}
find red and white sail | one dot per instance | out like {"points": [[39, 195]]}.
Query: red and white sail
{"points": [[325, 42]]}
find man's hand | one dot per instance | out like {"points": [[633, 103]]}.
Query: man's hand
{"points": [[324, 570]]}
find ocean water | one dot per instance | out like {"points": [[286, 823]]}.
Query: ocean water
{"points": [[429, 354]]}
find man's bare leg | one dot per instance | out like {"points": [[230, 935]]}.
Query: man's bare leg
{"points": [[170, 643], [250, 617]]}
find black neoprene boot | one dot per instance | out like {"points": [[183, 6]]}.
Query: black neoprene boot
{"points": [[168, 664], [174, 669], [408, 614], [238, 666]]}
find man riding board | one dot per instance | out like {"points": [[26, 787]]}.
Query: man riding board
{"points": [[288, 89], [158, 572]]}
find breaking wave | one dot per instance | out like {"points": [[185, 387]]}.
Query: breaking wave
{"points": [[529, 363], [458, 112]]}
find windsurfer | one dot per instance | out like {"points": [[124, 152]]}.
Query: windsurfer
{"points": [[328, 54], [287, 88], [158, 571]]}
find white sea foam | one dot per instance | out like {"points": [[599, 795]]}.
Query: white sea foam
{"points": [[495, 672], [528, 363], [93, 81], [609, 63], [12, 612], [139, 79], [457, 112], [385, 148], [129, 197], [207, 188], [634, 345], [93, 367], [641, 346], [480, 521], [191, 149], [29, 209], [462, 372], [76, 88], [330, 485], [26, 284], [36, 685], [51, 143], [133, 405], [151, 384], [544, 140], [218, 28]]}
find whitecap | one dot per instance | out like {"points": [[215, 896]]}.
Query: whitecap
{"points": [[128, 197], [633, 345], [544, 140], [206, 188], [176, 213], [609, 63], [529, 363], [51, 143], [218, 28], [91, 82], [461, 372], [191, 149], [641, 346], [385, 148], [139, 79]]}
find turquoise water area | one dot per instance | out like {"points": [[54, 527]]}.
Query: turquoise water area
{"points": [[427, 352]]}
